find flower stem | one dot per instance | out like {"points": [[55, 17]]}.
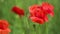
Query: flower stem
{"points": [[46, 28]]}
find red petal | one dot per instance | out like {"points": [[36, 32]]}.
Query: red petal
{"points": [[47, 6], [45, 19], [6, 31], [35, 19]]}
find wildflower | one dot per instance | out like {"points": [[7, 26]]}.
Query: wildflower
{"points": [[48, 8], [38, 13], [18, 10], [4, 27]]}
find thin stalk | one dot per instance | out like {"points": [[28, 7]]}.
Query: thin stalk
{"points": [[46, 28]]}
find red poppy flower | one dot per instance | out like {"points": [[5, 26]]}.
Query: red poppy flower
{"points": [[4, 27], [48, 8], [39, 13], [18, 10], [3, 24]]}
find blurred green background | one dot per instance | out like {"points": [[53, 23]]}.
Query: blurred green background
{"points": [[22, 25]]}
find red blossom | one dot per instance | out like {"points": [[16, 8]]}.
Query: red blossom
{"points": [[4, 27], [18, 10], [48, 8], [39, 13], [3, 24]]}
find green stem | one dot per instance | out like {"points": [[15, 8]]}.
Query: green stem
{"points": [[46, 28]]}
